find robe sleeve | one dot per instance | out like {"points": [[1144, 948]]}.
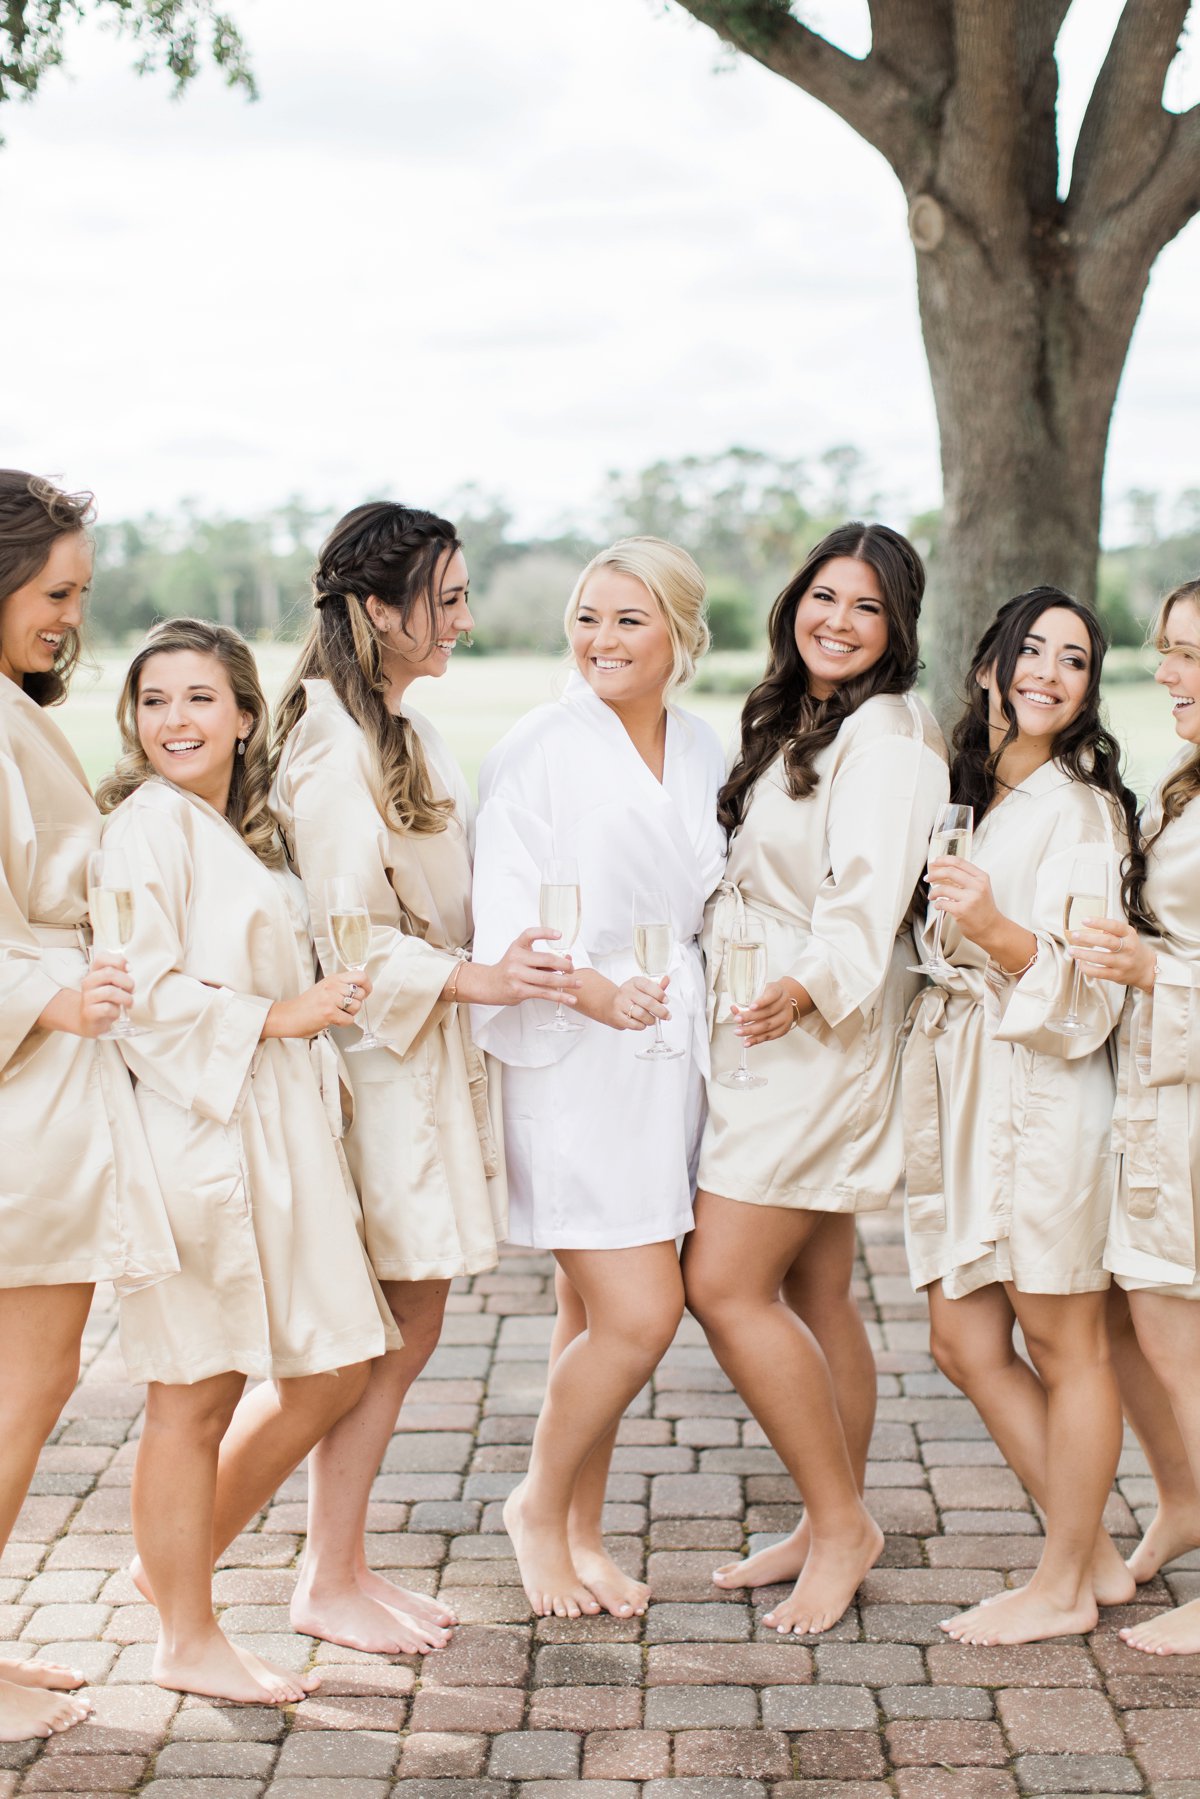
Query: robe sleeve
{"points": [[199, 1041], [1019, 1010], [882, 806], [25, 987], [336, 829], [1167, 1025]]}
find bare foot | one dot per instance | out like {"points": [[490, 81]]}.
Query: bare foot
{"points": [[352, 1618], [1026, 1615], [1112, 1582], [1170, 1633], [778, 1561], [548, 1574], [403, 1599], [1171, 1533], [828, 1582], [27, 1712], [217, 1669], [618, 1592], [52, 1677]]}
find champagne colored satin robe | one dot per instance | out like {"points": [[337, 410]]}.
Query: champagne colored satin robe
{"points": [[274, 1281], [1155, 1225], [424, 1147], [1006, 1121], [79, 1200], [827, 882]]}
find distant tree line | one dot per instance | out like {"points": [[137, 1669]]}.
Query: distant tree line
{"points": [[748, 517]]}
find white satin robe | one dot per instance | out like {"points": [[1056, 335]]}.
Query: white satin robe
{"points": [[1155, 1225], [827, 883], [273, 1280], [601, 1147], [79, 1200], [424, 1147], [1008, 1165]]}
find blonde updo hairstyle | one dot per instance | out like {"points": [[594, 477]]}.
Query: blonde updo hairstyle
{"points": [[247, 809], [676, 585]]}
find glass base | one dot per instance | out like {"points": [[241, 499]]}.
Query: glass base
{"points": [[561, 1024], [658, 1052], [1067, 1027], [943, 969], [737, 1078], [369, 1041], [123, 1029]]}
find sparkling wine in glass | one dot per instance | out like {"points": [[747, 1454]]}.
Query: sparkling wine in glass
{"points": [[558, 910], [350, 931], [952, 831], [746, 976], [110, 906], [653, 947], [1087, 897]]}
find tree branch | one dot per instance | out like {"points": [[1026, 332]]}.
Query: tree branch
{"points": [[873, 99], [916, 39], [1126, 128]]}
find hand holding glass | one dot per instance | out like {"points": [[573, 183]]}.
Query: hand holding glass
{"points": [[653, 947], [1087, 897], [350, 929], [558, 910], [110, 906], [746, 976], [952, 831]]}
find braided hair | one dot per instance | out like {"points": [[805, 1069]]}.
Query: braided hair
{"points": [[34, 514], [390, 553]]}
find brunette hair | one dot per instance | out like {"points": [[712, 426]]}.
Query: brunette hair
{"points": [[1085, 749], [676, 585], [1178, 790], [781, 712], [246, 809], [390, 553], [34, 514]]}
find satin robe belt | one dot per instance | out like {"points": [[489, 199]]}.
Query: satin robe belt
{"points": [[63, 936], [924, 1175], [729, 924], [1151, 1130], [337, 1095], [459, 1018]]}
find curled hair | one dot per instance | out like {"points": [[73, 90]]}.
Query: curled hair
{"points": [[34, 514], [246, 809], [1084, 748], [1178, 790], [676, 585], [781, 712], [393, 554]]}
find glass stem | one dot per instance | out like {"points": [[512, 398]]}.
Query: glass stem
{"points": [[743, 1066], [658, 1036], [937, 938], [1076, 984], [366, 1022]]}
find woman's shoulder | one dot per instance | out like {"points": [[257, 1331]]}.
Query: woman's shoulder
{"points": [[528, 744], [886, 717]]}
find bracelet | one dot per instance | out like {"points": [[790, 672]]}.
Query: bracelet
{"points": [[1014, 974], [450, 993], [795, 1005]]}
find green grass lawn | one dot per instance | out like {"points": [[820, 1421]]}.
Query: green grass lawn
{"points": [[480, 697]]}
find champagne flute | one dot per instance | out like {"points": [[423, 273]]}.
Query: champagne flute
{"points": [[558, 910], [952, 829], [653, 946], [110, 906], [1087, 897], [350, 929], [746, 978]]}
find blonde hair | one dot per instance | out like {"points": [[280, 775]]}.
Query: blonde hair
{"points": [[1178, 790], [390, 553], [674, 581], [247, 809]]}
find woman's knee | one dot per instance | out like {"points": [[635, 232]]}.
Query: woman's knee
{"points": [[965, 1359], [327, 1397]]}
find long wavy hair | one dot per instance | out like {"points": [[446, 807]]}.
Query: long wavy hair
{"points": [[390, 553], [34, 514], [246, 809], [674, 582], [782, 713], [1085, 749], [1179, 789]]}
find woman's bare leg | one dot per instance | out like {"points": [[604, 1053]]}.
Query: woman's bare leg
{"points": [[338, 1597], [972, 1343], [617, 1591], [735, 1263], [1168, 1330], [40, 1331], [1067, 1338], [1175, 1528], [633, 1301], [817, 1287], [174, 1488]]}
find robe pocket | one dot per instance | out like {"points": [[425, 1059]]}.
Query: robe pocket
{"points": [[395, 1132], [199, 1162]]}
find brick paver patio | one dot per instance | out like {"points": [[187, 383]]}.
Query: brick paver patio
{"points": [[695, 1695]]}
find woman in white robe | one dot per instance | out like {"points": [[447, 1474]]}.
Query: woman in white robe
{"points": [[602, 1146], [1153, 1246], [365, 789], [829, 805], [238, 1092], [79, 1202], [1007, 1118]]}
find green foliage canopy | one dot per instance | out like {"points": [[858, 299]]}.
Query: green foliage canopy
{"points": [[177, 35]]}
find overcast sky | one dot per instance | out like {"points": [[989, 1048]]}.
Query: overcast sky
{"points": [[513, 243]]}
